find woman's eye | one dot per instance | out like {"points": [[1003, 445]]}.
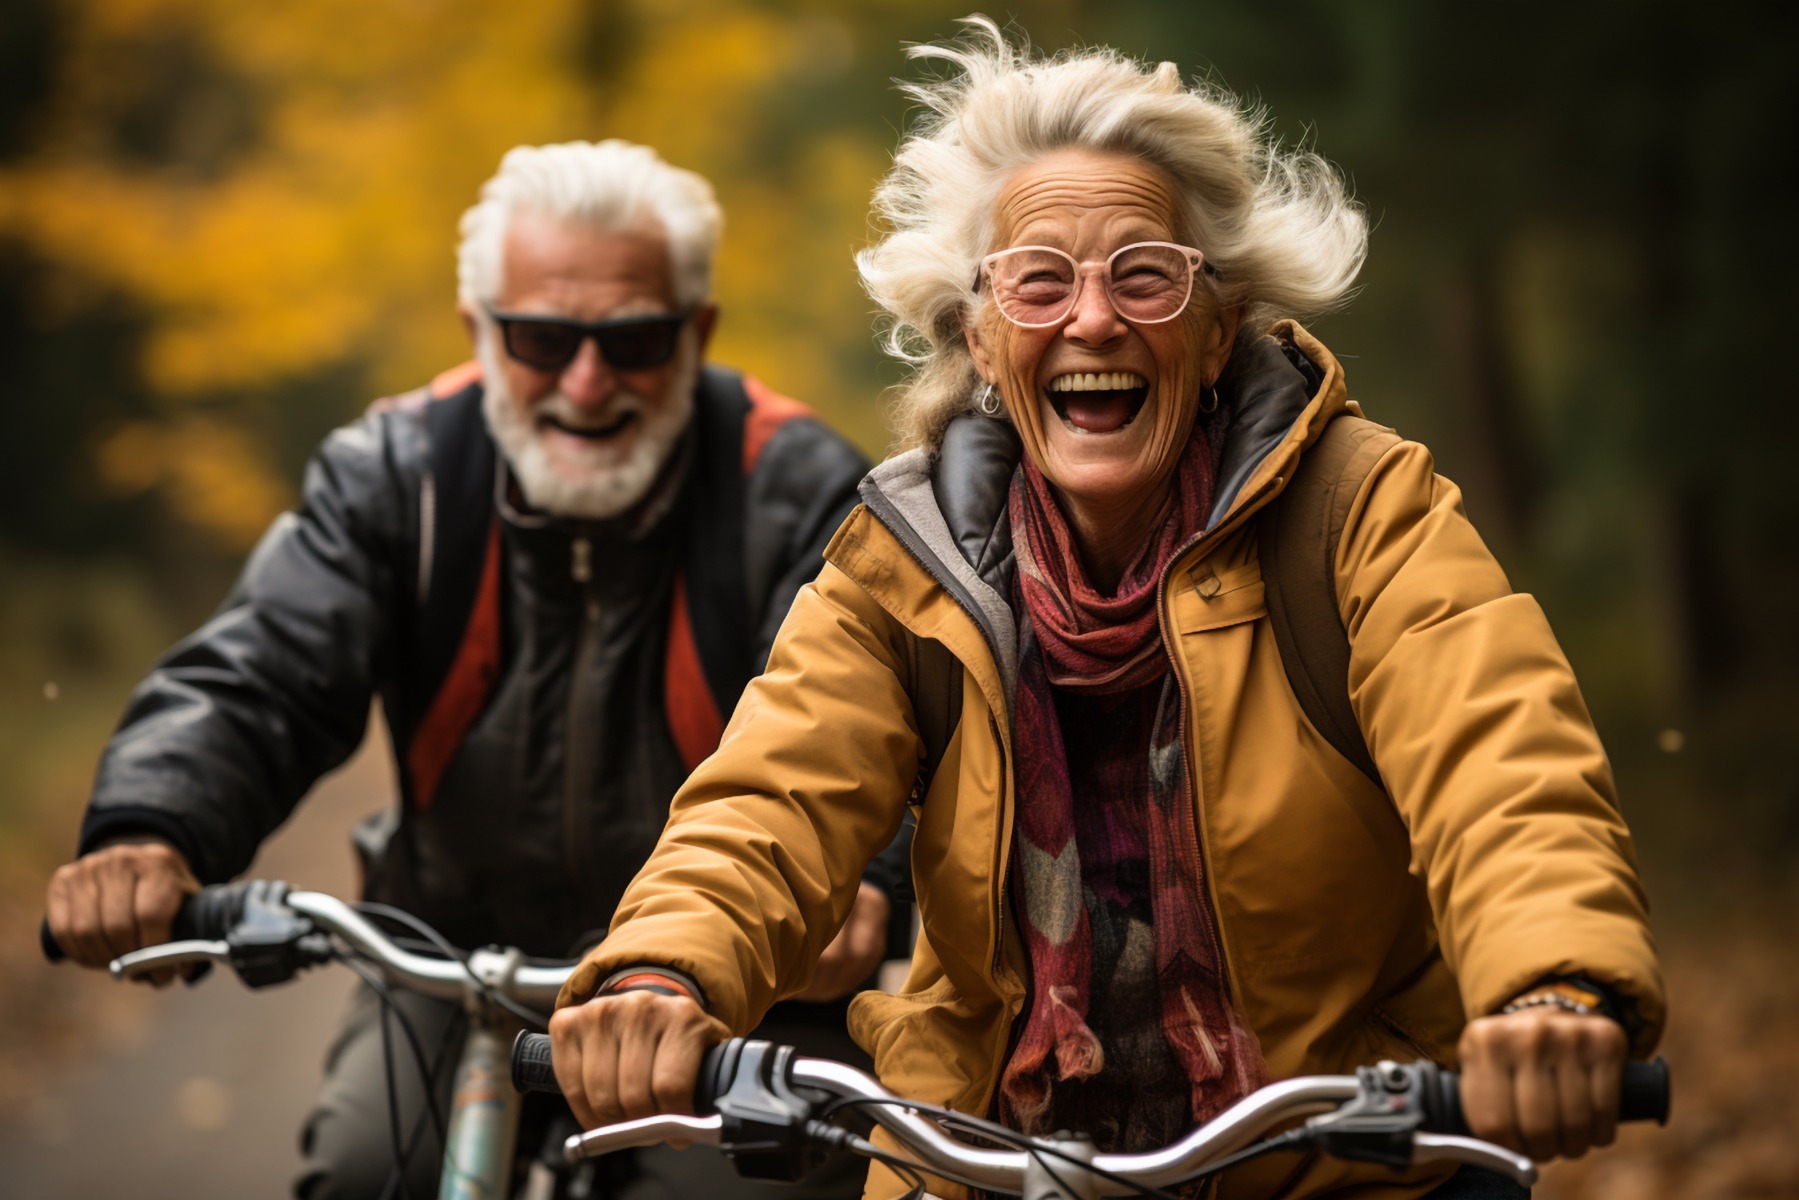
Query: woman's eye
{"points": [[1142, 283]]}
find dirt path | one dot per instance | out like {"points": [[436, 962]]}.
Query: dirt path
{"points": [[198, 1093], [189, 1092]]}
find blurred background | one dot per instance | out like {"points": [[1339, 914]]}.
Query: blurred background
{"points": [[225, 227]]}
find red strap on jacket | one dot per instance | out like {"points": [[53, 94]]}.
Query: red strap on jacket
{"points": [[693, 716], [769, 410], [466, 687], [448, 383]]}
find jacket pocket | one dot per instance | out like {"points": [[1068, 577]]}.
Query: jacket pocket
{"points": [[1208, 598]]}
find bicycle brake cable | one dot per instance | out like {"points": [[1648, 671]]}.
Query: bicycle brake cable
{"points": [[427, 1073], [396, 1176], [996, 1132], [911, 1172], [375, 908]]}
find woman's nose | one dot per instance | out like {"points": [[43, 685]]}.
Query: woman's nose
{"points": [[1093, 320]]}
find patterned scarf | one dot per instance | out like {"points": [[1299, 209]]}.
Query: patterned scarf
{"points": [[1071, 638]]}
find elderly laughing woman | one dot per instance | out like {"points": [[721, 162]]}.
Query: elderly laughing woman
{"points": [[1147, 882]]}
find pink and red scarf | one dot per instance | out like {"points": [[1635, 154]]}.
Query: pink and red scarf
{"points": [[1075, 640]]}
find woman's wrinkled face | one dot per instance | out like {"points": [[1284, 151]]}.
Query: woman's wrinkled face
{"points": [[1104, 407]]}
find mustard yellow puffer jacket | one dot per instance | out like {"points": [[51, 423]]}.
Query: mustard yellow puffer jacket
{"points": [[1357, 924]]}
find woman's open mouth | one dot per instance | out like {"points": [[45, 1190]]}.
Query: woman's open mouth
{"points": [[1098, 401]]}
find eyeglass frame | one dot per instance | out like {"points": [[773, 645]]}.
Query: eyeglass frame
{"points": [[589, 331], [1196, 265]]}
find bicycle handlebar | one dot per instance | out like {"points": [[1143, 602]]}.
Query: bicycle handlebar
{"points": [[268, 932], [1643, 1092], [1390, 1113], [207, 915]]}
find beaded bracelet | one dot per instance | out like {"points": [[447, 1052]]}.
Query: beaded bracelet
{"points": [[1563, 995]]}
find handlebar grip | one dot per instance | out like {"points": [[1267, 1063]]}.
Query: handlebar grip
{"points": [[1644, 1092], [208, 915], [531, 1069], [211, 912], [533, 1072], [182, 929], [1643, 1095]]}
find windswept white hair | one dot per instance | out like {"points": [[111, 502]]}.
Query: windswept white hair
{"points": [[612, 184], [1277, 225]]}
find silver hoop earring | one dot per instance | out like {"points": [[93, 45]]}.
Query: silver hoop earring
{"points": [[1213, 406], [987, 403]]}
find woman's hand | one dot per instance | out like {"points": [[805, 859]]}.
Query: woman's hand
{"points": [[629, 1055], [856, 951], [1543, 1081]]}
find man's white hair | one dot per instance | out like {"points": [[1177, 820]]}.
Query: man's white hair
{"points": [[1277, 225], [612, 185]]}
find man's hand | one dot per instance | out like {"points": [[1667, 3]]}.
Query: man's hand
{"points": [[1543, 1081], [856, 951], [119, 898], [634, 1054]]}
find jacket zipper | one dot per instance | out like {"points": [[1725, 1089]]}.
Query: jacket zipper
{"points": [[1180, 679], [577, 742]]}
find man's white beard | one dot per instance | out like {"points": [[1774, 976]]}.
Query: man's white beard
{"points": [[597, 480]]}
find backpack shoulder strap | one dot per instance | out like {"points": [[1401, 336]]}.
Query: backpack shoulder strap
{"points": [[706, 661], [1298, 547], [454, 649], [711, 652], [712, 562]]}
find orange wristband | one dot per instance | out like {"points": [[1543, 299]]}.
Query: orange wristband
{"points": [[648, 982]]}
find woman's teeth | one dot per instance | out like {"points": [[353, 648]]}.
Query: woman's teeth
{"points": [[1098, 381], [1097, 402]]}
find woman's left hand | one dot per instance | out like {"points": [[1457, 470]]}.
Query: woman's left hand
{"points": [[1543, 1081]]}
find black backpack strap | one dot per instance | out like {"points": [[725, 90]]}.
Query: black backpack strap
{"points": [[456, 532], [455, 513], [936, 694], [1298, 546], [713, 563]]}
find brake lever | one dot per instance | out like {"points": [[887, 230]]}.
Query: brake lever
{"points": [[170, 954], [265, 941], [644, 1131], [1449, 1147], [1384, 1124]]}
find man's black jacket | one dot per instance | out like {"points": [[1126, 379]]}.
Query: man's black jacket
{"points": [[546, 798]]}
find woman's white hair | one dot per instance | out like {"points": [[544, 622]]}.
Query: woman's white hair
{"points": [[613, 185], [1277, 225]]}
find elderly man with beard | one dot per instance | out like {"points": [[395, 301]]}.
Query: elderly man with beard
{"points": [[556, 566]]}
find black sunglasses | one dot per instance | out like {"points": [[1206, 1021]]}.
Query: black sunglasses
{"points": [[547, 343]]}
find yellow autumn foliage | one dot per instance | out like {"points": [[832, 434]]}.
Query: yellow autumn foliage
{"points": [[278, 187]]}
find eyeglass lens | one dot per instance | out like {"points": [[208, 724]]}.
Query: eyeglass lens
{"points": [[1035, 285], [630, 344]]}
